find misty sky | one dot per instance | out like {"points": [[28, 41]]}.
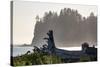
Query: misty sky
{"points": [[24, 13]]}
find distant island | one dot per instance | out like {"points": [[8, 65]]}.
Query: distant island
{"points": [[22, 45]]}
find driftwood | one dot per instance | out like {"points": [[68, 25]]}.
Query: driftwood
{"points": [[50, 41]]}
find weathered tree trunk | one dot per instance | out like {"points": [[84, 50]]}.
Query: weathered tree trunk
{"points": [[50, 42]]}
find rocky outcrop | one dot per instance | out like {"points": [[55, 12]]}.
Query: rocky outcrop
{"points": [[69, 28]]}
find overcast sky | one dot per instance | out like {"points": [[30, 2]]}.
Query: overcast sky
{"points": [[24, 13]]}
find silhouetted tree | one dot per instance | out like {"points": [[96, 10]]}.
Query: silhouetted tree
{"points": [[37, 18]]}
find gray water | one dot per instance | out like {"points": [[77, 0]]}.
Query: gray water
{"points": [[17, 50]]}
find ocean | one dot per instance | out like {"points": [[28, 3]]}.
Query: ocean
{"points": [[19, 50]]}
